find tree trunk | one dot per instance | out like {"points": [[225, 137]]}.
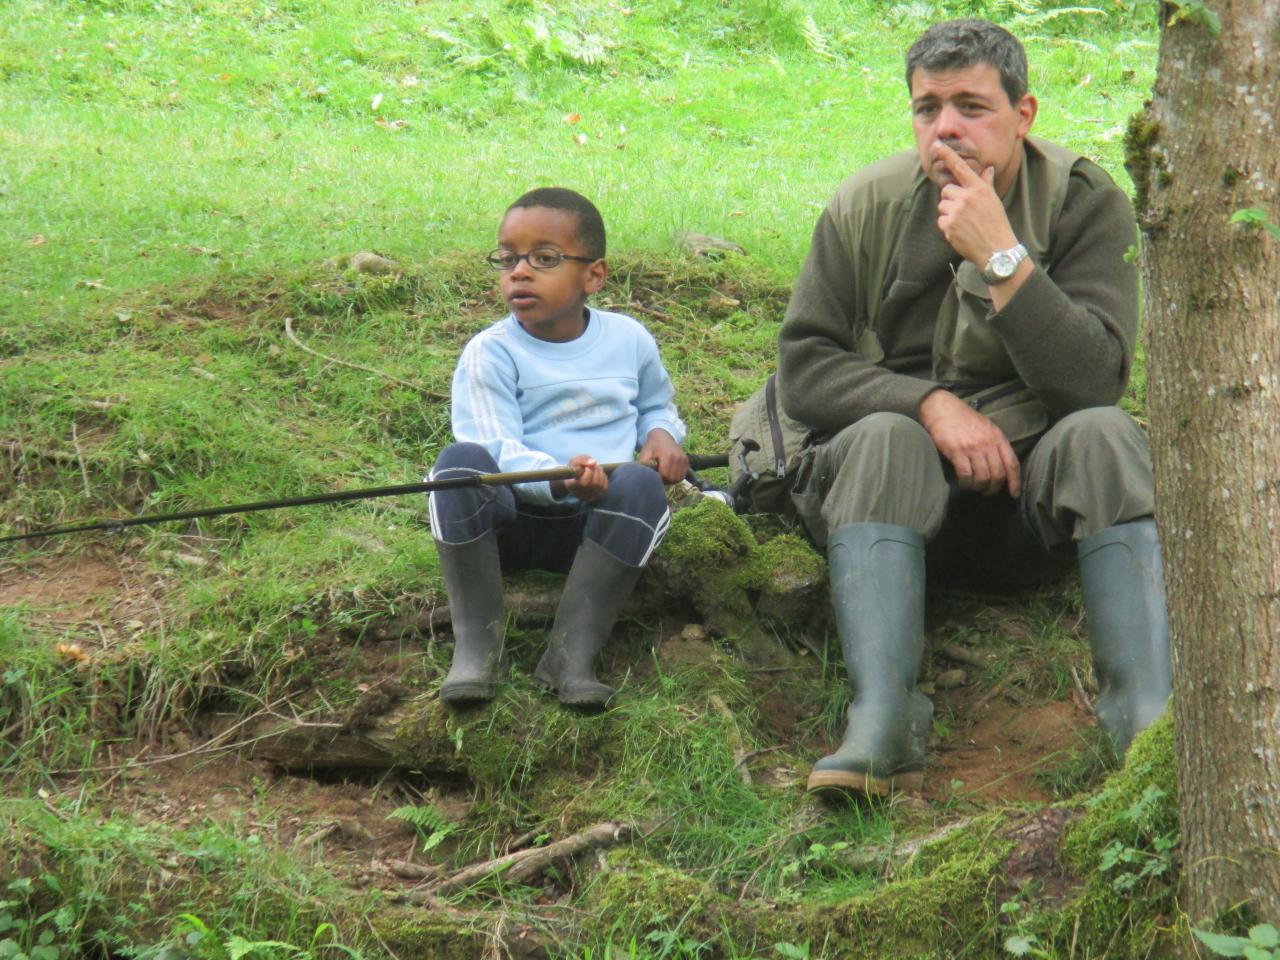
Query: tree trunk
{"points": [[1208, 146]]}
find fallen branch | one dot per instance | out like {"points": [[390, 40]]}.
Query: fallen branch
{"points": [[414, 871], [523, 865], [293, 338], [890, 858]]}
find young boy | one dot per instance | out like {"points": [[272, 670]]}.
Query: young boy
{"points": [[553, 382]]}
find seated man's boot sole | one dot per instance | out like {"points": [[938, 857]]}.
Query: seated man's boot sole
{"points": [[865, 784], [468, 691], [597, 699]]}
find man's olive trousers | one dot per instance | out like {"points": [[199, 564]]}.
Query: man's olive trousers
{"points": [[1089, 471]]}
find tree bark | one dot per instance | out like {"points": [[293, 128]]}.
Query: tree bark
{"points": [[1208, 146]]}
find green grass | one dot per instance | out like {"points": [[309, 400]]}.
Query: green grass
{"points": [[154, 141], [173, 177]]}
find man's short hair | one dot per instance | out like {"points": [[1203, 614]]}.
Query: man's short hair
{"points": [[957, 44], [590, 232]]}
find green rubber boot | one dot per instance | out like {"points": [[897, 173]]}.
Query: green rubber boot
{"points": [[877, 587], [1122, 579], [597, 587], [473, 581]]}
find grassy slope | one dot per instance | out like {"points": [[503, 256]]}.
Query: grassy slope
{"points": [[172, 174]]}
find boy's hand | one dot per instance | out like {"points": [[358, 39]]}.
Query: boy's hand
{"points": [[673, 462], [591, 483]]}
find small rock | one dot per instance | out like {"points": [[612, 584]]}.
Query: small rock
{"points": [[368, 262], [694, 632], [950, 679], [705, 245]]}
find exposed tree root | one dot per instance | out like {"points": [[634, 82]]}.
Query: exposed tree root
{"points": [[523, 865]]}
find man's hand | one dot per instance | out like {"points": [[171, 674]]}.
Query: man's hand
{"points": [[590, 484], [971, 214], [976, 448], [673, 462]]}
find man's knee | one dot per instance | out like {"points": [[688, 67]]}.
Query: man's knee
{"points": [[882, 469], [1101, 428], [1090, 471], [889, 435]]}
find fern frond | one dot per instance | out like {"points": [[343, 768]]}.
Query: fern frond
{"points": [[814, 38], [425, 818]]}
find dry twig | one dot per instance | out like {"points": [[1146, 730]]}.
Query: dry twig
{"points": [[953, 651], [15, 449], [524, 865], [293, 338], [1082, 697]]}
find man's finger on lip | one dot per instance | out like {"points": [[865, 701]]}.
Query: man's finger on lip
{"points": [[954, 162]]}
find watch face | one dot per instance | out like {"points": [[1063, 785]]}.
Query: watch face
{"points": [[1003, 264]]}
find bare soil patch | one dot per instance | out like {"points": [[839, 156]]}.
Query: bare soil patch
{"points": [[95, 599], [1003, 751]]}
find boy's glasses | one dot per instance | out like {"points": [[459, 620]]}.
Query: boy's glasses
{"points": [[540, 258]]}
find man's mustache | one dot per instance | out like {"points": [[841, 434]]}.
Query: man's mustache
{"points": [[955, 145]]}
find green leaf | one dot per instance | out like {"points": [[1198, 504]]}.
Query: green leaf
{"points": [[791, 951], [1220, 943], [1257, 953], [1256, 219], [8, 948], [238, 947], [1265, 935], [65, 918], [1019, 945]]}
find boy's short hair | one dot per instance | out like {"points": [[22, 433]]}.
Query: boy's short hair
{"points": [[590, 231], [957, 44]]}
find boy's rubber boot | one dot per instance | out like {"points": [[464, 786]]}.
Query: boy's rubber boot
{"points": [[473, 581], [597, 587], [877, 587], [1122, 579]]}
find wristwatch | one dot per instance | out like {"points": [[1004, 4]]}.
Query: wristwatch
{"points": [[1003, 264]]}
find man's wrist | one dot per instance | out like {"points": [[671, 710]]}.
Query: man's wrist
{"points": [[1003, 264]]}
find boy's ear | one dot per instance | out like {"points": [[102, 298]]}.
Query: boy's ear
{"points": [[596, 275]]}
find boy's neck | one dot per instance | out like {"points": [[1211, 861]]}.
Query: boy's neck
{"points": [[558, 331]]}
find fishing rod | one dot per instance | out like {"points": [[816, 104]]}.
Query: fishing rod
{"points": [[696, 462]]}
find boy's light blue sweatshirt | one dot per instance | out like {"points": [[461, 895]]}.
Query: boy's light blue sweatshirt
{"points": [[533, 403]]}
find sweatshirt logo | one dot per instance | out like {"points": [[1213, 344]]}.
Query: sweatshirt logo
{"points": [[579, 406]]}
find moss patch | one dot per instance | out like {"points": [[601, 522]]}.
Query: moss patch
{"points": [[424, 935], [1125, 846], [712, 557]]}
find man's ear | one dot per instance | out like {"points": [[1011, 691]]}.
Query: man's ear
{"points": [[1026, 108], [597, 274]]}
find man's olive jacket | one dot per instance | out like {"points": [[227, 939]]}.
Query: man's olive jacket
{"points": [[885, 311]]}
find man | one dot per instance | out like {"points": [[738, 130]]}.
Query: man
{"points": [[957, 340]]}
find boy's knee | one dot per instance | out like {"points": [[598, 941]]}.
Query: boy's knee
{"points": [[637, 485], [464, 456]]}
